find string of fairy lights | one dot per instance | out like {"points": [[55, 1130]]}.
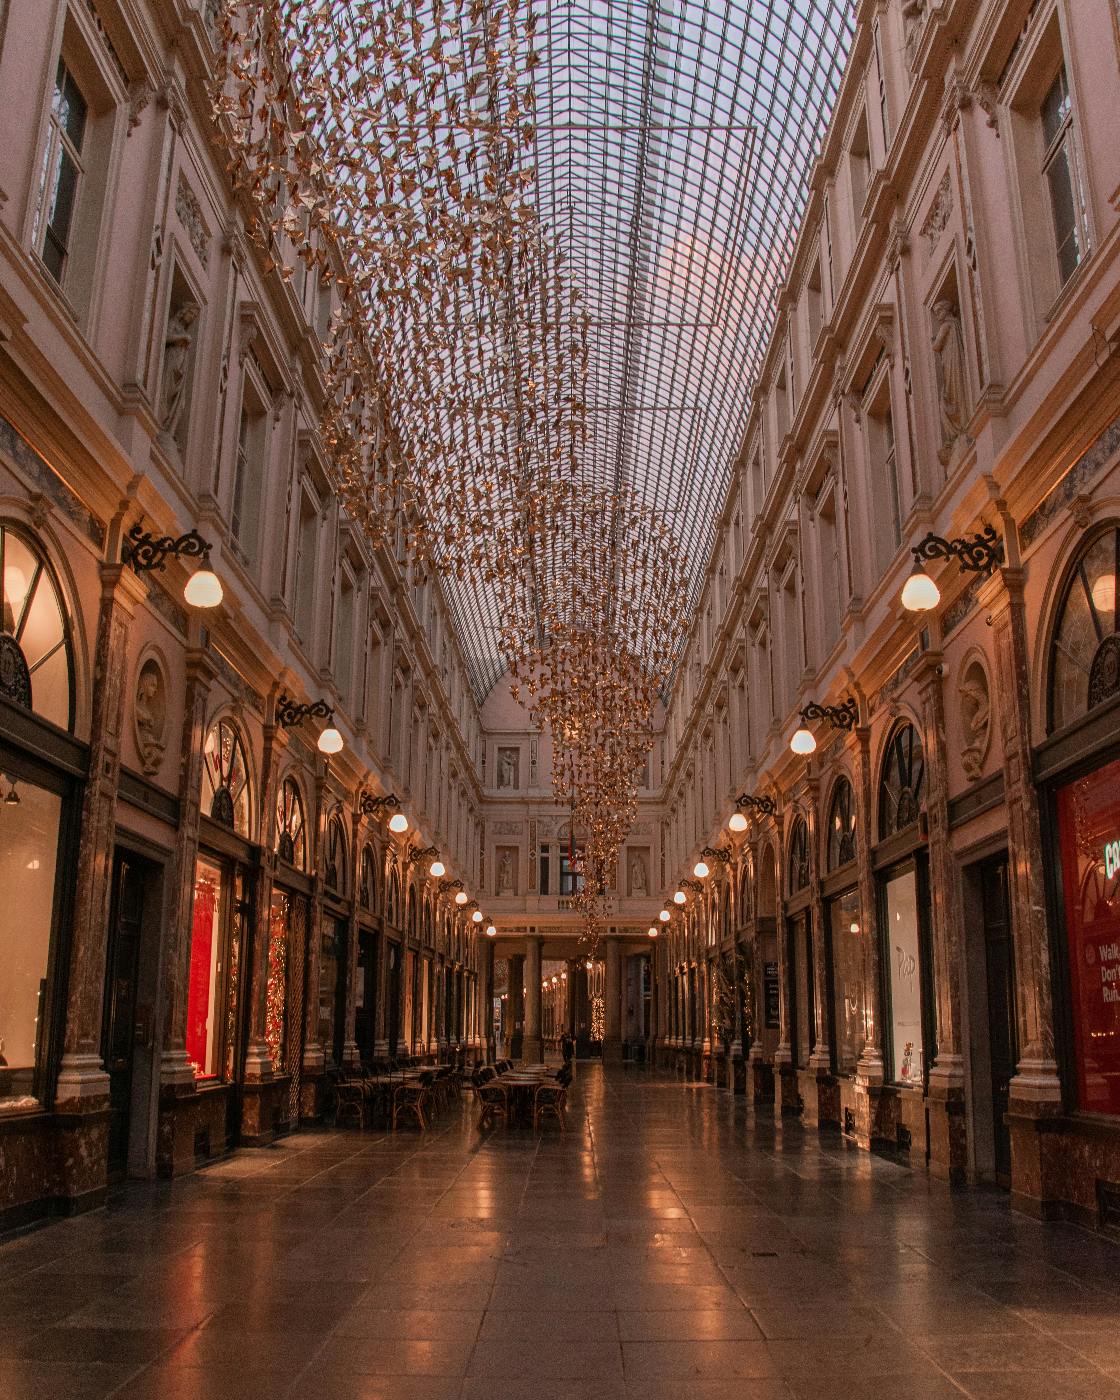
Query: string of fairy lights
{"points": [[389, 148]]}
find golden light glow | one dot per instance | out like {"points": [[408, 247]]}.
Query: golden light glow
{"points": [[398, 823], [700, 870], [331, 741], [803, 741], [679, 897], [919, 592], [437, 869], [736, 822], [203, 589]]}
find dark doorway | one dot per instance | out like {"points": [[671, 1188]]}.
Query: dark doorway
{"points": [[1003, 1040], [120, 1028], [394, 997], [365, 994]]}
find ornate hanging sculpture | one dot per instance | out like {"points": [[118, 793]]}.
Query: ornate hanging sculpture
{"points": [[389, 149]]}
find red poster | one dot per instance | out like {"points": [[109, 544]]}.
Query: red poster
{"points": [[198, 996], [1089, 828]]}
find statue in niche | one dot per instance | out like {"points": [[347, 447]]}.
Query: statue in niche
{"points": [[507, 768], [952, 380], [639, 875], [176, 367], [976, 714], [151, 714], [505, 873]]}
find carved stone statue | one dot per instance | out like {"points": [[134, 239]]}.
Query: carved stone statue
{"points": [[150, 714], [952, 379], [976, 714], [176, 365], [507, 768], [505, 873], [639, 876]]}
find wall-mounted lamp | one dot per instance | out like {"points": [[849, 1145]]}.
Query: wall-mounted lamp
{"points": [[418, 853], [652, 931], [665, 916], [461, 897], [736, 822], [289, 713], [842, 716], [145, 552], [679, 897], [976, 554], [371, 806], [694, 885], [446, 886], [722, 854], [765, 806], [700, 870]]}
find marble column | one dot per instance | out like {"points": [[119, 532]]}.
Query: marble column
{"points": [[612, 991], [258, 1062], [826, 1088], [1035, 1094], [948, 1129], [381, 992], [351, 1055], [531, 1048], [516, 984], [314, 1055]]}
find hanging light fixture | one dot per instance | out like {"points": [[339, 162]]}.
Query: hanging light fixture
{"points": [[920, 593], [437, 869], [700, 870], [803, 741], [491, 931], [736, 822], [12, 798], [398, 823], [679, 897], [477, 916], [652, 931], [664, 916], [461, 898], [144, 551]]}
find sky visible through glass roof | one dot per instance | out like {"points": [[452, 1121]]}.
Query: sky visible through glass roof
{"points": [[674, 143]]}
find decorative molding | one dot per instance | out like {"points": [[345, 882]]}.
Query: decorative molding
{"points": [[190, 216], [39, 473], [940, 212], [1072, 485]]}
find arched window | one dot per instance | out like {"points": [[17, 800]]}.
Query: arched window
{"points": [[902, 782], [335, 874], [726, 932], [427, 921], [744, 894], [799, 856], [225, 778], [36, 655], [291, 828], [411, 926], [841, 826], [393, 908], [367, 895], [1085, 649]]}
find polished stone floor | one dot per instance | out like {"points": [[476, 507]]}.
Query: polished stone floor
{"points": [[670, 1244]]}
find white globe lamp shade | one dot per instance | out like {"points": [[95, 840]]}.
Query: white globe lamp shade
{"points": [[920, 593], [491, 931], [476, 917], [203, 589], [652, 930], [664, 916], [736, 822], [803, 741], [331, 741], [700, 870], [398, 823], [461, 897], [679, 897], [437, 869]]}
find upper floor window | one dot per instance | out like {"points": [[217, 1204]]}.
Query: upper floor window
{"points": [[63, 171], [571, 869], [367, 896], [36, 657], [902, 782], [1059, 168], [841, 826], [248, 473], [291, 839], [336, 855], [1085, 649], [225, 778]]}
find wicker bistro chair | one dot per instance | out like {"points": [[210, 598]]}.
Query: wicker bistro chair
{"points": [[349, 1100], [494, 1103], [549, 1099], [411, 1100]]}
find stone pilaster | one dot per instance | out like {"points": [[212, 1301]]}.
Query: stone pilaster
{"points": [[258, 1062], [826, 1110], [948, 1144], [82, 1087], [351, 1055], [516, 1004], [873, 1105], [314, 1056], [381, 993], [1035, 1096]]}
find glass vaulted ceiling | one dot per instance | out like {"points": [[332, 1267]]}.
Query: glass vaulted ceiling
{"points": [[673, 149]]}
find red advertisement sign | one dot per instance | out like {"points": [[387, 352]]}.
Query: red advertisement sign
{"points": [[1089, 829]]}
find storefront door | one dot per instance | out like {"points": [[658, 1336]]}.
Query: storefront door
{"points": [[120, 1030], [1002, 1035]]}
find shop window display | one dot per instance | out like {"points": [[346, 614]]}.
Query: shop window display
{"points": [[900, 910], [849, 946], [1089, 835], [29, 834], [203, 1014], [276, 992]]}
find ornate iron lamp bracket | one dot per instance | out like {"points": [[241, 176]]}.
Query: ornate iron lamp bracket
{"points": [[143, 551], [843, 716], [289, 712], [765, 805], [976, 554]]}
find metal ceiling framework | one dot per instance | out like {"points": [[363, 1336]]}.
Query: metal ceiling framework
{"points": [[673, 147]]}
